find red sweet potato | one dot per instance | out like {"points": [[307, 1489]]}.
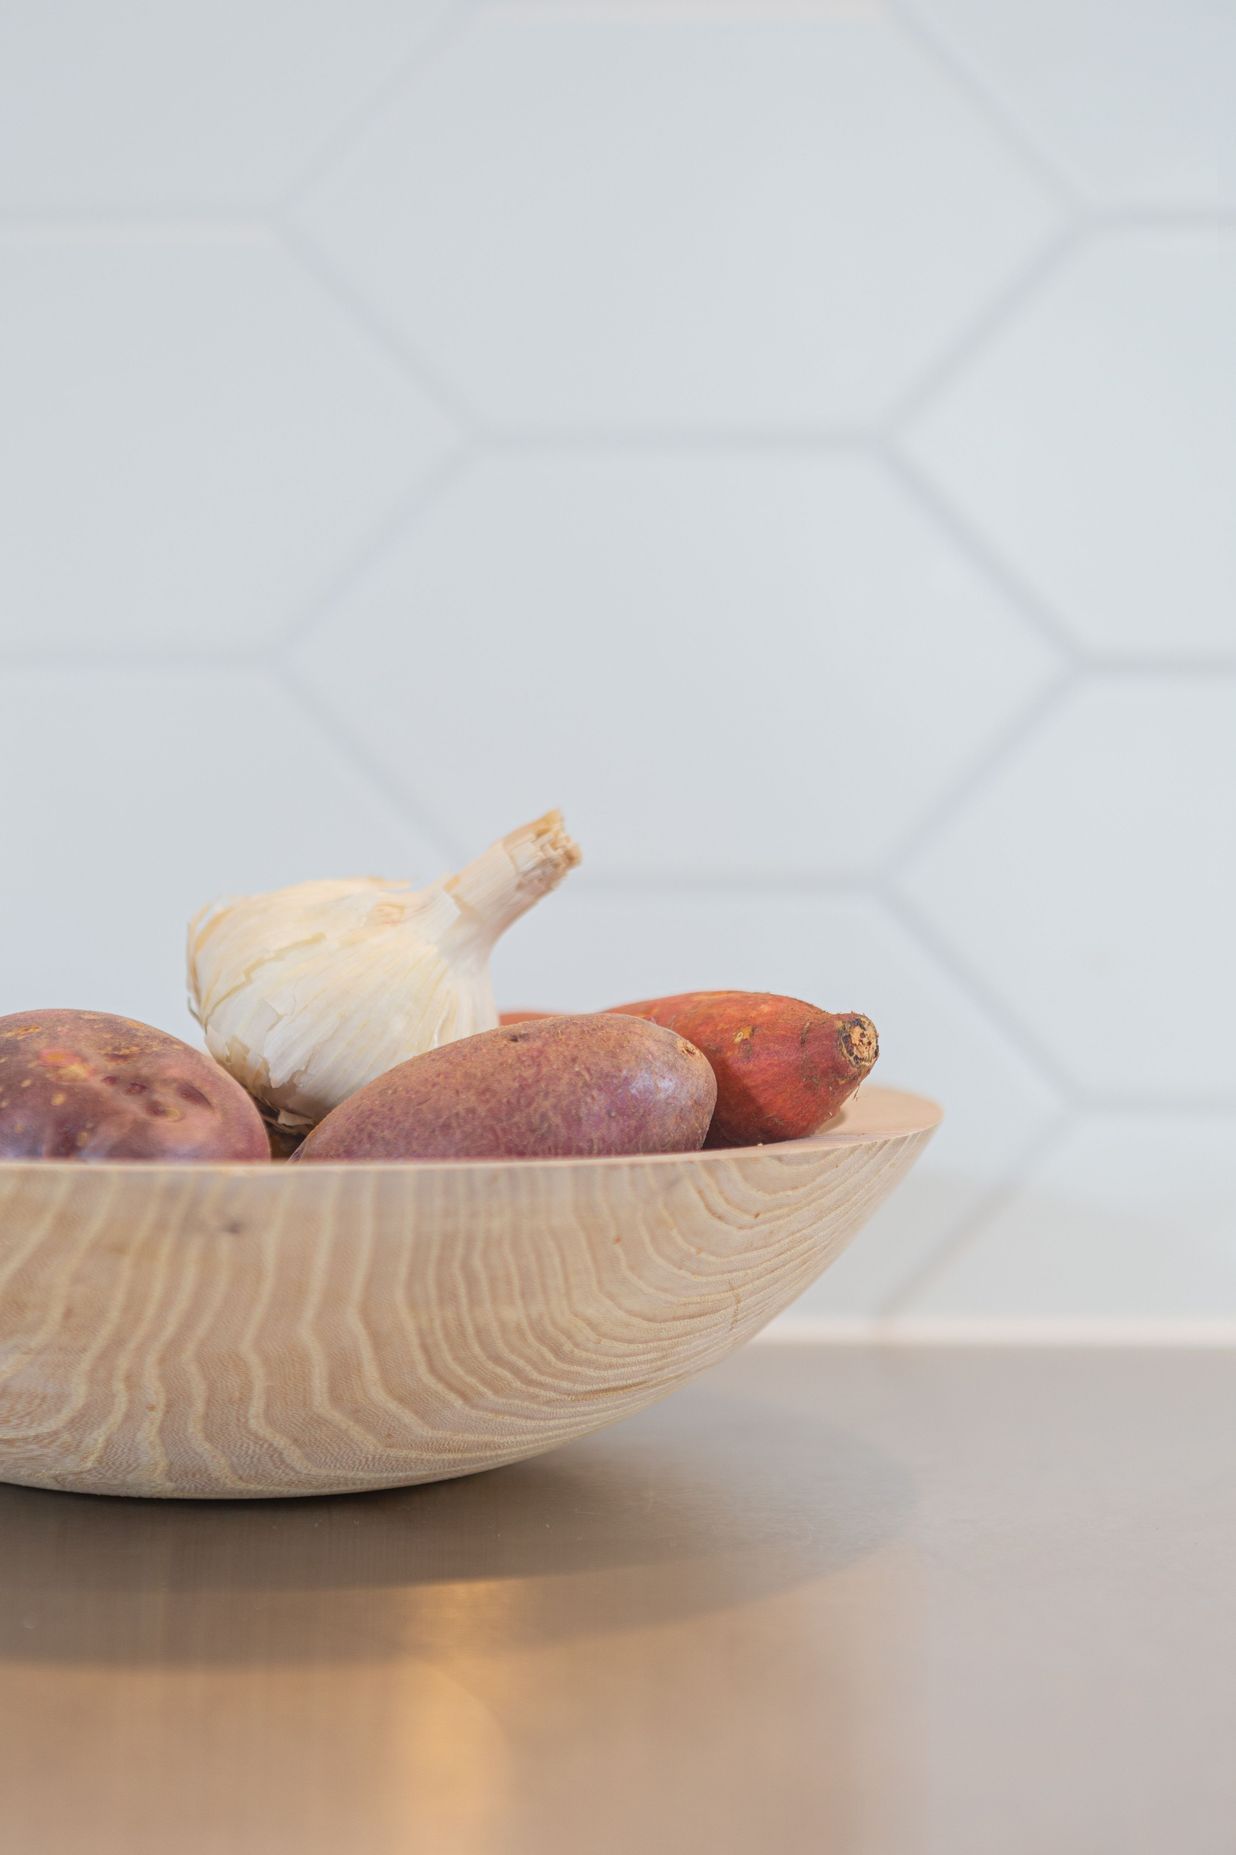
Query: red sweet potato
{"points": [[783, 1067]]}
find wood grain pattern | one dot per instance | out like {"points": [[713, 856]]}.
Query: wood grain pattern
{"points": [[245, 1331]]}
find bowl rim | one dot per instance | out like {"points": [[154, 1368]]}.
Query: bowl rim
{"points": [[922, 1116]]}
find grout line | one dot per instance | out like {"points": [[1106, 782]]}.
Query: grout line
{"points": [[342, 140], [1002, 310], [381, 539], [124, 659], [1054, 1330], [727, 882], [1161, 1107], [1024, 143], [1111, 220], [990, 1004], [950, 1250], [707, 12], [1025, 148], [165, 223], [1017, 732], [239, 219], [354, 749], [530, 440], [971, 542], [1223, 664], [318, 267]]}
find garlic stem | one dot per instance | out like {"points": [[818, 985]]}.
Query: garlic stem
{"points": [[504, 881]]}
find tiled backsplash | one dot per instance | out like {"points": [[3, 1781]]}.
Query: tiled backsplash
{"points": [[798, 440]]}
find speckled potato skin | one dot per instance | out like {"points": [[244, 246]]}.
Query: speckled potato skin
{"points": [[558, 1087], [86, 1085]]}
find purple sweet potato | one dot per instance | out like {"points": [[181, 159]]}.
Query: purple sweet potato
{"points": [[568, 1085], [85, 1085]]}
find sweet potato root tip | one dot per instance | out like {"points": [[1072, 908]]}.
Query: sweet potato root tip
{"points": [[859, 1036]]}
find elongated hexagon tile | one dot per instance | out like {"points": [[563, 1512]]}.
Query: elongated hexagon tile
{"points": [[1091, 882], [1137, 100], [194, 438], [715, 665], [585, 948], [144, 794], [1094, 443], [1132, 1216], [216, 103], [667, 221]]}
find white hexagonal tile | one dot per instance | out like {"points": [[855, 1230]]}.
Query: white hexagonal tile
{"points": [[1132, 1216], [144, 794], [585, 948], [194, 438], [1094, 442], [716, 665], [213, 103], [651, 220], [1136, 101], [1091, 882]]}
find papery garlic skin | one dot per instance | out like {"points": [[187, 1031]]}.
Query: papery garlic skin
{"points": [[307, 993]]}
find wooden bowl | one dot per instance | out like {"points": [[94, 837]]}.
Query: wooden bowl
{"points": [[249, 1330]]}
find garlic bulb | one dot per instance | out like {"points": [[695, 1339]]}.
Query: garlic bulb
{"points": [[308, 993]]}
